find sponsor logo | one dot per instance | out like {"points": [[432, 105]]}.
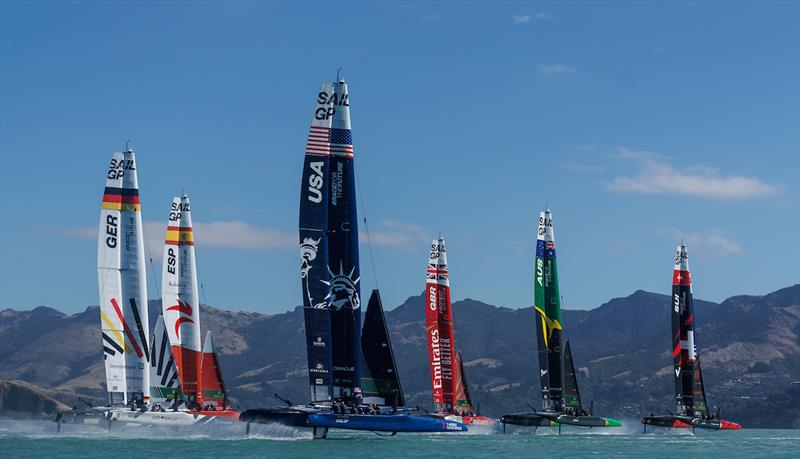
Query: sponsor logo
{"points": [[118, 167], [177, 209], [342, 420], [676, 302], [318, 342], [112, 229], [452, 426], [436, 359], [337, 183], [332, 100], [315, 182], [542, 372]]}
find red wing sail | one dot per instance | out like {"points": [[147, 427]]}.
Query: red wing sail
{"points": [[213, 387], [463, 401], [439, 326]]}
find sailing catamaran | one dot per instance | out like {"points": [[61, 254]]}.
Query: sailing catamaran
{"points": [[448, 381], [123, 297], [561, 399], [138, 364], [331, 288], [690, 395], [201, 385]]}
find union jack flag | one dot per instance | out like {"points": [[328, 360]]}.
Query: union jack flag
{"points": [[549, 245], [437, 274]]}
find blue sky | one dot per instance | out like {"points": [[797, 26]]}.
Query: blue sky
{"points": [[637, 123]]}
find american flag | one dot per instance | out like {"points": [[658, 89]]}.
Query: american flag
{"points": [[326, 141], [341, 142], [318, 142]]}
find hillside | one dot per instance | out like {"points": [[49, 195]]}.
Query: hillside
{"points": [[749, 345]]}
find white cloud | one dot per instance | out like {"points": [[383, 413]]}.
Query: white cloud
{"points": [[224, 234], [518, 19], [712, 242], [396, 234], [657, 176], [555, 69], [526, 18]]}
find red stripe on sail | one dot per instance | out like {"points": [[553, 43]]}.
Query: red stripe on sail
{"points": [[681, 278], [126, 329]]}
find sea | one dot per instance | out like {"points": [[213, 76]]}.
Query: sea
{"points": [[22, 439]]}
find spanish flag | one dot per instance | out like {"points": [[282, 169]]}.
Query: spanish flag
{"points": [[177, 235]]}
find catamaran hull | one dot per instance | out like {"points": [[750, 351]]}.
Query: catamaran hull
{"points": [[286, 416], [686, 422], [109, 417], [527, 419], [384, 423], [587, 421], [669, 422]]}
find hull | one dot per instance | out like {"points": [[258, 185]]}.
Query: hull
{"points": [[530, 419], [466, 420], [384, 422], [667, 421], [686, 422], [292, 416], [105, 417], [587, 421]]}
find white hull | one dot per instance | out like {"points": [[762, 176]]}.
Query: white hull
{"points": [[121, 416]]}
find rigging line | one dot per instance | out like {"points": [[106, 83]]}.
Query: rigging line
{"points": [[366, 227]]}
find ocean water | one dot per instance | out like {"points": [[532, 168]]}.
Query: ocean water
{"points": [[40, 439]]}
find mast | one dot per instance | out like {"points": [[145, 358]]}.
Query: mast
{"points": [[344, 295], [379, 378], [122, 284], [180, 303], [547, 303], [683, 346], [313, 231], [439, 327]]}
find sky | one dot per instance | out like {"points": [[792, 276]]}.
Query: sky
{"points": [[639, 124]]}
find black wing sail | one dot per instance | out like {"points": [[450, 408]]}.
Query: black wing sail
{"points": [[343, 264], [699, 392], [572, 397], [379, 379], [313, 226]]}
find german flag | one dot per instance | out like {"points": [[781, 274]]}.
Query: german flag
{"points": [[177, 235], [121, 199]]}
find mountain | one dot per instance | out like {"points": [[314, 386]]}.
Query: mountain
{"points": [[21, 400], [749, 346]]}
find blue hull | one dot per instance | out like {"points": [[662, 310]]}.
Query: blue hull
{"points": [[384, 423]]}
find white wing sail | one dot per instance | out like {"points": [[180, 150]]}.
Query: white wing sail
{"points": [[122, 282], [165, 387], [180, 300]]}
